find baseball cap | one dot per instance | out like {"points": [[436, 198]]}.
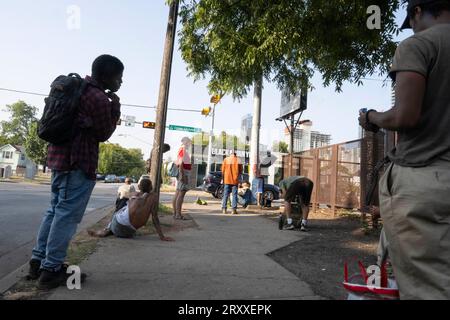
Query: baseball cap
{"points": [[412, 4]]}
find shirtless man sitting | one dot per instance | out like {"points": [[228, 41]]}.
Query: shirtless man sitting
{"points": [[134, 215]]}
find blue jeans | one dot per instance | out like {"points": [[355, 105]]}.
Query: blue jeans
{"points": [[71, 191], [246, 199], [227, 189]]}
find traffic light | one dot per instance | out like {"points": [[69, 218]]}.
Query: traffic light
{"points": [[149, 125], [216, 99], [206, 111]]}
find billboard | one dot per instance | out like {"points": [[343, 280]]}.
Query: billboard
{"points": [[293, 103]]}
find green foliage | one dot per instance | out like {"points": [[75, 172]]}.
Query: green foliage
{"points": [[3, 140], [35, 147], [114, 159], [235, 42], [201, 139], [17, 128], [221, 141], [280, 146]]}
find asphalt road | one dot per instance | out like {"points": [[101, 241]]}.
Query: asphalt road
{"points": [[22, 207]]}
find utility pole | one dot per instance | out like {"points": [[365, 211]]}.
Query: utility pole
{"points": [[254, 147], [161, 112], [291, 146]]}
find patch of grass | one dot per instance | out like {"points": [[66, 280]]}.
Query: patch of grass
{"points": [[83, 245], [164, 210], [149, 229], [80, 249], [349, 214]]}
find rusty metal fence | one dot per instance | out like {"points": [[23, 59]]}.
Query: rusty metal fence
{"points": [[342, 172]]}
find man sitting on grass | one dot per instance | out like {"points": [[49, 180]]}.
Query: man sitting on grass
{"points": [[134, 215]]}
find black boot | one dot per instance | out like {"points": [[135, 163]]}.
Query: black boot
{"points": [[51, 280], [34, 272]]}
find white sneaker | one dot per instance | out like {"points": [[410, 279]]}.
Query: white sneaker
{"points": [[303, 228], [289, 227]]}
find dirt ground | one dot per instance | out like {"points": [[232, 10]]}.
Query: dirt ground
{"points": [[319, 259]]}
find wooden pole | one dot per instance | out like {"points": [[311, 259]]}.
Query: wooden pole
{"points": [[161, 111]]}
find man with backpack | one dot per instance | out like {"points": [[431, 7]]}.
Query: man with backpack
{"points": [[84, 112]]}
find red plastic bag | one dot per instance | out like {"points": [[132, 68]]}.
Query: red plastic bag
{"points": [[360, 285]]}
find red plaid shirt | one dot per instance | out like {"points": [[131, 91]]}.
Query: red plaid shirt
{"points": [[97, 119]]}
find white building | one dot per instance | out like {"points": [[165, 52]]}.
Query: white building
{"points": [[13, 161], [246, 128], [306, 139]]}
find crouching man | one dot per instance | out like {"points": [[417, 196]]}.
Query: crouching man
{"points": [[294, 187], [134, 215]]}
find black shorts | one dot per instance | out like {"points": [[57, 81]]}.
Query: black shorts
{"points": [[302, 187]]}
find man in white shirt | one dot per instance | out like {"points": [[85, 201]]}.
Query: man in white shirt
{"points": [[123, 194]]}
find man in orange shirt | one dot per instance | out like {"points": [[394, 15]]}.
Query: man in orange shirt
{"points": [[231, 170]]}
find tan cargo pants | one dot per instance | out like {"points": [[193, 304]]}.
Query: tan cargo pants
{"points": [[415, 207]]}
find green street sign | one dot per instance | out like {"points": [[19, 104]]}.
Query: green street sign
{"points": [[187, 129]]}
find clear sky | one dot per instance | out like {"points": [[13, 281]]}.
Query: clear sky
{"points": [[37, 45]]}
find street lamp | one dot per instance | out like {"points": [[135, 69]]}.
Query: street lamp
{"points": [[215, 100], [211, 137]]}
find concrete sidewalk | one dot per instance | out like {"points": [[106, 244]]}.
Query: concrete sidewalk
{"points": [[224, 258]]}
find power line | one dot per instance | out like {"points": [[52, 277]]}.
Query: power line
{"points": [[373, 79], [123, 104]]}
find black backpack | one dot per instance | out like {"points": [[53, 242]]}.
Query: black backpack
{"points": [[61, 106]]}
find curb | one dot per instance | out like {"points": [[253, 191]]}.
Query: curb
{"points": [[6, 181], [11, 279], [27, 183]]}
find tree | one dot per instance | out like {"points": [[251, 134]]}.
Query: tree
{"points": [[239, 43], [280, 146], [235, 42], [114, 159], [3, 140], [221, 141], [21, 117], [35, 147]]}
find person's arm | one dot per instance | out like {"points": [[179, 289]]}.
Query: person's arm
{"points": [[180, 163], [223, 168], [105, 114], [141, 206], [412, 63], [153, 206], [157, 225], [409, 96]]}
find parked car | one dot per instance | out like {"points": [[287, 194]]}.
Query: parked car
{"points": [[212, 184], [122, 179], [111, 178], [100, 177]]}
